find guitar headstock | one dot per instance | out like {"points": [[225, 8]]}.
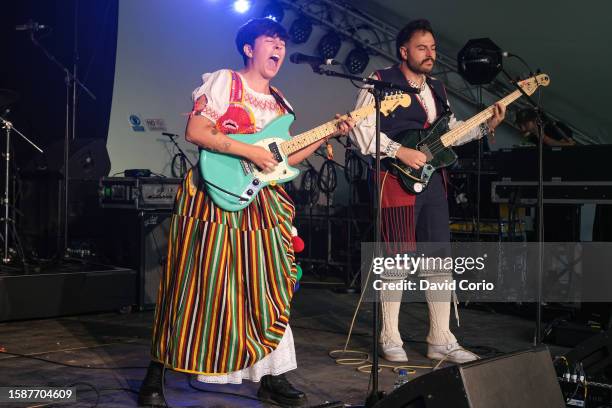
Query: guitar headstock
{"points": [[392, 101], [529, 85]]}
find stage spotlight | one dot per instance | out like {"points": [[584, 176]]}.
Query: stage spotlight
{"points": [[300, 30], [242, 6], [357, 60], [479, 61], [273, 11], [329, 45]]}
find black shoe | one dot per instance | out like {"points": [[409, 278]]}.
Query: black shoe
{"points": [[276, 388], [151, 391]]}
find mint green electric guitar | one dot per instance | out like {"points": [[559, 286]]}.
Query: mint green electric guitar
{"points": [[233, 182]]}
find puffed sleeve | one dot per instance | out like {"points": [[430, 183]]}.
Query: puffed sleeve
{"points": [[211, 99]]}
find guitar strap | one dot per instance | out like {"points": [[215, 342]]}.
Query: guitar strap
{"points": [[281, 101]]}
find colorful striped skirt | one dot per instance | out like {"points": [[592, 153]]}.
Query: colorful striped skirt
{"points": [[224, 298]]}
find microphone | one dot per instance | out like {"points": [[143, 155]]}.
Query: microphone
{"points": [[299, 58], [30, 26]]}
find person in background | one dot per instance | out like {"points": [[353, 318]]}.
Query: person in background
{"points": [[555, 133]]}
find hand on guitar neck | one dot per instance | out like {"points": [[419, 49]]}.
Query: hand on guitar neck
{"points": [[499, 113], [417, 159], [344, 125]]}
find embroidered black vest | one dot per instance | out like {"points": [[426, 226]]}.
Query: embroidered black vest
{"points": [[414, 116]]}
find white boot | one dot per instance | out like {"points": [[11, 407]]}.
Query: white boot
{"points": [[453, 353], [390, 339], [392, 352]]}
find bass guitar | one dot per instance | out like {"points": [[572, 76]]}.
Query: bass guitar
{"points": [[436, 143], [233, 182]]}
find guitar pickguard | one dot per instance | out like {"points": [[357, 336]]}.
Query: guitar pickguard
{"points": [[282, 172]]}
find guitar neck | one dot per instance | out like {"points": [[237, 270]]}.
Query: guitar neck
{"points": [[452, 136], [305, 139]]}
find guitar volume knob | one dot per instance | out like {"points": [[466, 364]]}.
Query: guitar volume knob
{"points": [[249, 192], [256, 182]]}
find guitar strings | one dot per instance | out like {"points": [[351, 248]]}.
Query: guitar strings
{"points": [[297, 142], [437, 146]]}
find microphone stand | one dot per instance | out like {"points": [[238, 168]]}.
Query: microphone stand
{"points": [[181, 153], [378, 90], [540, 235], [171, 136], [71, 81], [478, 173], [8, 126]]}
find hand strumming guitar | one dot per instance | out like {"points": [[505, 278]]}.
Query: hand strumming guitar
{"points": [[411, 157], [262, 158]]}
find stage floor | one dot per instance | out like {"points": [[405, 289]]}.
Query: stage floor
{"points": [[320, 319]]}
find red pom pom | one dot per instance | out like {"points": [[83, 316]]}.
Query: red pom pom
{"points": [[298, 244]]}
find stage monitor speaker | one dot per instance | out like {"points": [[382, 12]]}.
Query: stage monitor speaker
{"points": [[154, 248], [88, 159], [522, 379], [139, 240]]}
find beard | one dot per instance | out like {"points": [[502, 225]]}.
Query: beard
{"points": [[419, 68]]}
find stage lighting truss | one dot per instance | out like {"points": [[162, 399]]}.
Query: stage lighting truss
{"points": [[300, 30], [274, 11], [329, 45], [378, 38], [357, 60]]}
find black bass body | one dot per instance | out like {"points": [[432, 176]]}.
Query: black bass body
{"points": [[438, 156]]}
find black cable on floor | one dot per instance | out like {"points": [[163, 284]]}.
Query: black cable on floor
{"points": [[70, 365], [81, 367]]}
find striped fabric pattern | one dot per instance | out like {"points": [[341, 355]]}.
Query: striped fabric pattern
{"points": [[224, 299]]}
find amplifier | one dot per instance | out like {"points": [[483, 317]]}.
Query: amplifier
{"points": [[138, 240], [139, 193], [555, 192]]}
